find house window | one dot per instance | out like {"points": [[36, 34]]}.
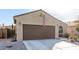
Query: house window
{"points": [[60, 31]]}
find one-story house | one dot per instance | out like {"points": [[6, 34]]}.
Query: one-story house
{"points": [[38, 25]]}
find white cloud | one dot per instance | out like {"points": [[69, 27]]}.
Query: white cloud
{"points": [[65, 15]]}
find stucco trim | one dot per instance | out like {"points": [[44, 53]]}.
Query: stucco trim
{"points": [[26, 13]]}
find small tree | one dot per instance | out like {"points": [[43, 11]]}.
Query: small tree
{"points": [[77, 28]]}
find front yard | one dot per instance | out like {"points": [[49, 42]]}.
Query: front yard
{"points": [[46, 44]]}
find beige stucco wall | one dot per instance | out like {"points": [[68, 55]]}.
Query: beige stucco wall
{"points": [[36, 19], [50, 20]]}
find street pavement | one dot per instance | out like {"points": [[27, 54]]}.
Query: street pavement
{"points": [[6, 44]]}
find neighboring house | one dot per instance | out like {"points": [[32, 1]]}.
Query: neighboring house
{"points": [[38, 25], [11, 26], [71, 29]]}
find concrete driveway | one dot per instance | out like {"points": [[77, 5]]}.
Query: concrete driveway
{"points": [[50, 44], [45, 44]]}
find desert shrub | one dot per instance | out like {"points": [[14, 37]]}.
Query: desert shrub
{"points": [[66, 35]]}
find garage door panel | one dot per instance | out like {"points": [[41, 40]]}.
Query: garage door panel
{"points": [[38, 32]]}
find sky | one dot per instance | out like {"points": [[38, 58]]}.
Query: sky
{"points": [[64, 10], [65, 15], [6, 15]]}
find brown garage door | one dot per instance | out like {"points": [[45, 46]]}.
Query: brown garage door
{"points": [[31, 32]]}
